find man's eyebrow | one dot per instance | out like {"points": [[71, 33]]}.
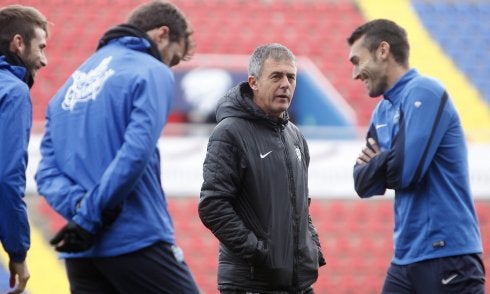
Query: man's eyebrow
{"points": [[282, 73]]}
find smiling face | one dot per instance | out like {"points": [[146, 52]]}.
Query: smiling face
{"points": [[368, 68], [34, 55], [274, 88]]}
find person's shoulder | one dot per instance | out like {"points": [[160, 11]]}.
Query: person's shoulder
{"points": [[12, 86], [228, 128], [425, 87], [425, 82], [230, 123], [131, 68], [129, 61], [428, 81]]}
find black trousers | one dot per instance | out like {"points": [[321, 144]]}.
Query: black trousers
{"points": [[155, 269], [462, 274]]}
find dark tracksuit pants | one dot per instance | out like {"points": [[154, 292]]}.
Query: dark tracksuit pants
{"points": [[155, 269], [462, 274]]}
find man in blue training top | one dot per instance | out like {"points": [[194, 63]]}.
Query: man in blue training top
{"points": [[100, 166], [416, 146], [23, 33]]}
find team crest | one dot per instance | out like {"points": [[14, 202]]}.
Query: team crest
{"points": [[396, 117], [298, 153], [86, 86]]}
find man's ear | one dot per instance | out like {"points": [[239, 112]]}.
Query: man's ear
{"points": [[384, 50], [163, 34], [160, 34], [252, 82], [17, 44]]}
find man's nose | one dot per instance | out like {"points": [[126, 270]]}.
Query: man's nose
{"points": [[355, 73], [44, 60], [285, 82]]}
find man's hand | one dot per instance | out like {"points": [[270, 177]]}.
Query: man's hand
{"points": [[368, 152], [109, 216], [72, 238], [18, 270]]}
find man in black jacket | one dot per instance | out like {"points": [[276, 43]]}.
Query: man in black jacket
{"points": [[255, 192]]}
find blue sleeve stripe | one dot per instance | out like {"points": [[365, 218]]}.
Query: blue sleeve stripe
{"points": [[420, 167]]}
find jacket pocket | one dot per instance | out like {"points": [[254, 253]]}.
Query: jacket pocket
{"points": [[261, 254]]}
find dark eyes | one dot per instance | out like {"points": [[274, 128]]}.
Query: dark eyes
{"points": [[278, 77]]}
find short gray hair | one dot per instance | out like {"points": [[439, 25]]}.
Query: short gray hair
{"points": [[263, 52]]}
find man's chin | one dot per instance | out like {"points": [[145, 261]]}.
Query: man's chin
{"points": [[284, 105], [282, 110]]}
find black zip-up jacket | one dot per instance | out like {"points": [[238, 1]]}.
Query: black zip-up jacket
{"points": [[254, 199]]}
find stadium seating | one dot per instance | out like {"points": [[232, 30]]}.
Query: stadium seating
{"points": [[316, 29], [462, 29]]}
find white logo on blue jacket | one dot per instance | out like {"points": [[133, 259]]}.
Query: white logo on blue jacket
{"points": [[86, 86], [396, 117]]}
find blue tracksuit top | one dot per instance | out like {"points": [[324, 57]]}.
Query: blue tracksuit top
{"points": [[424, 159], [100, 147], [15, 127]]}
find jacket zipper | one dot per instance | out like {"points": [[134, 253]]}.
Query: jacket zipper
{"points": [[293, 203]]}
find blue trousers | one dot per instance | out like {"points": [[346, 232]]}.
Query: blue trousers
{"points": [[156, 269], [455, 274]]}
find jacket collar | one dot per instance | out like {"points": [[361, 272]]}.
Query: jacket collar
{"points": [[16, 66], [238, 102], [132, 37], [392, 93]]}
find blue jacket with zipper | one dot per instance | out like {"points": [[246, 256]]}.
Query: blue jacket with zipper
{"points": [[424, 159], [15, 127], [100, 150]]}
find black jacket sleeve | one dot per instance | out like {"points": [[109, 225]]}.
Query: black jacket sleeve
{"points": [[222, 172]]}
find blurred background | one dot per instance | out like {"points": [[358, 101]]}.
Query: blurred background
{"points": [[450, 40]]}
